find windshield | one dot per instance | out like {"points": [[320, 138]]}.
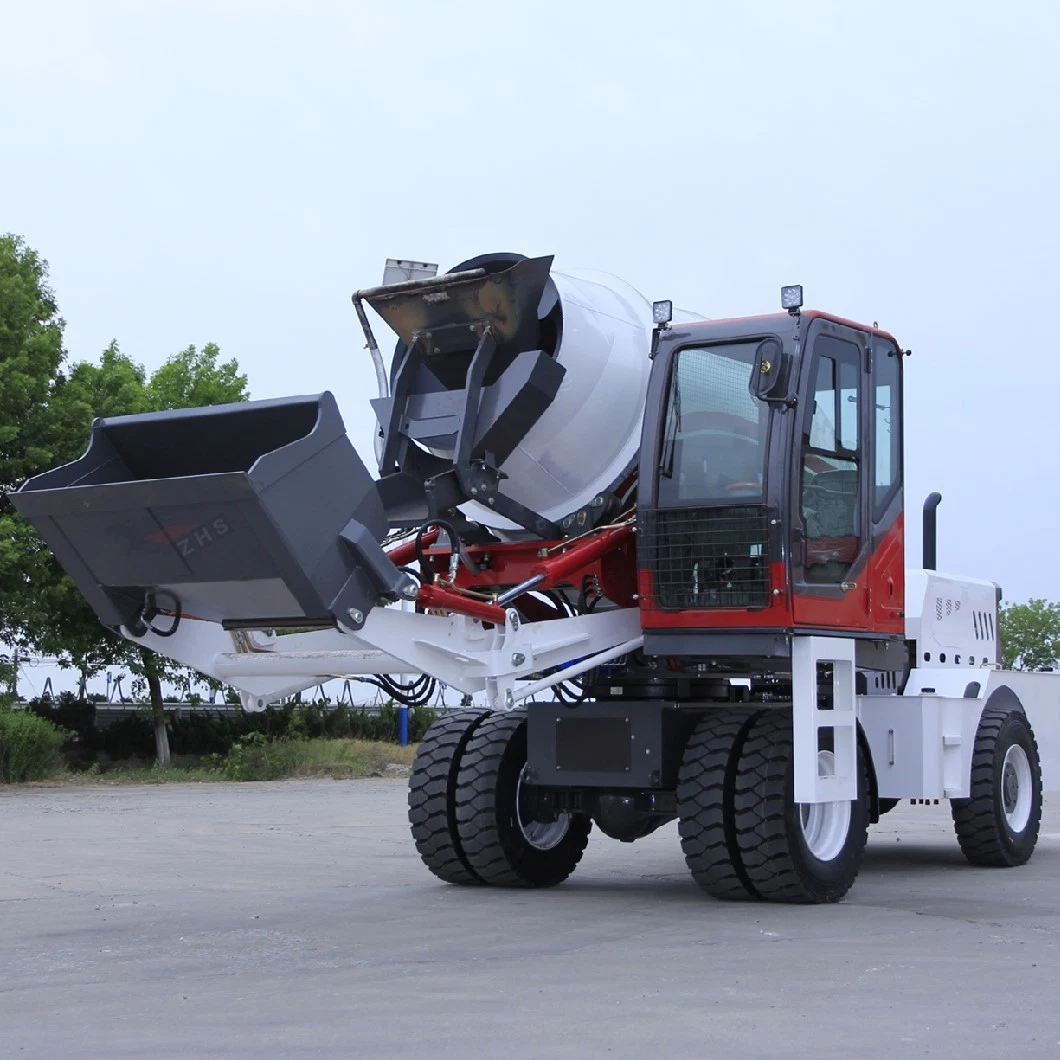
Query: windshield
{"points": [[714, 436]]}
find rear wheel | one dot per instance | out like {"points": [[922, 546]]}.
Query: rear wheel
{"points": [[432, 796], [705, 789], [998, 824], [806, 853], [503, 843]]}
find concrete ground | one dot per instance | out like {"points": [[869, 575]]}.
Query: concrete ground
{"points": [[294, 919]]}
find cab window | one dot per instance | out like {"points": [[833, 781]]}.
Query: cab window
{"points": [[714, 436], [831, 464]]}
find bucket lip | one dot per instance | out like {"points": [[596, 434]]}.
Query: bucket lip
{"points": [[327, 426], [323, 399]]}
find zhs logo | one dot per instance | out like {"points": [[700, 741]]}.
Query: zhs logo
{"points": [[190, 538]]}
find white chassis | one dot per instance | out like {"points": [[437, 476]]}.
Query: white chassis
{"points": [[921, 741]]}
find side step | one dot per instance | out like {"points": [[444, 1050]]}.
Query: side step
{"points": [[255, 514]]}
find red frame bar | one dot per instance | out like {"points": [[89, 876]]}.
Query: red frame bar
{"points": [[405, 553], [442, 599], [580, 554]]}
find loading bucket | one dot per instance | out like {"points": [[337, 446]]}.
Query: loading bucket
{"points": [[255, 514]]}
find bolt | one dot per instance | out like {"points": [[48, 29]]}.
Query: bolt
{"points": [[474, 489], [513, 618], [410, 590], [357, 617], [518, 658], [509, 699]]}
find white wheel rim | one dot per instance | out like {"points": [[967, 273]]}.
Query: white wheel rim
{"points": [[541, 835], [1017, 788], [825, 825]]}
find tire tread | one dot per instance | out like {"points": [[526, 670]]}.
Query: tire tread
{"points": [[975, 820], [762, 807], [432, 797], [704, 805], [489, 856]]}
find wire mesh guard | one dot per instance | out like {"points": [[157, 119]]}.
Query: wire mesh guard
{"points": [[707, 558], [714, 439], [714, 379]]}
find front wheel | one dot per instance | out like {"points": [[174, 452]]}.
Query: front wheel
{"points": [[794, 852], [705, 792], [997, 825], [432, 796], [503, 843]]}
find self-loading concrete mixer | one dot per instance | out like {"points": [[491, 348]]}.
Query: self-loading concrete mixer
{"points": [[667, 555]]}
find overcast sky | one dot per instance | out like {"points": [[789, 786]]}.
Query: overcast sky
{"points": [[230, 172]]}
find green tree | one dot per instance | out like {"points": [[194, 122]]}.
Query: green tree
{"points": [[193, 379], [1030, 635], [31, 354], [119, 386], [45, 417], [31, 433]]}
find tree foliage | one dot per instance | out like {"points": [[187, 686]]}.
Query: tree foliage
{"points": [[193, 379], [45, 420], [31, 353], [1030, 635]]}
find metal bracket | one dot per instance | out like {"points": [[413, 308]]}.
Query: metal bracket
{"points": [[813, 781], [482, 483]]}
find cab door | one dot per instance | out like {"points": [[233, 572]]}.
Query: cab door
{"points": [[831, 499], [886, 564]]}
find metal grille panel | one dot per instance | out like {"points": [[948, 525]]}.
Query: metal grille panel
{"points": [[706, 558], [715, 379]]}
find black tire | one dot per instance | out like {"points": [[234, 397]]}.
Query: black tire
{"points": [[432, 796], [487, 815], [769, 834], [984, 830], [705, 790]]}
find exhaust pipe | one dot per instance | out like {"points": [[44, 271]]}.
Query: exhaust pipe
{"points": [[931, 530]]}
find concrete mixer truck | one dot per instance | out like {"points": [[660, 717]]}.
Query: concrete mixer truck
{"points": [[663, 556]]}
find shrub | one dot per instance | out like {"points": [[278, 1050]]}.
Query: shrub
{"points": [[215, 734], [420, 720], [131, 736], [256, 757], [342, 722], [29, 747], [66, 711]]}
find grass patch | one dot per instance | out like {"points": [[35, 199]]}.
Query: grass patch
{"points": [[257, 758], [358, 758], [129, 774], [260, 759]]}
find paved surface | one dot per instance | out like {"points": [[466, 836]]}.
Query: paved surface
{"points": [[294, 919]]}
